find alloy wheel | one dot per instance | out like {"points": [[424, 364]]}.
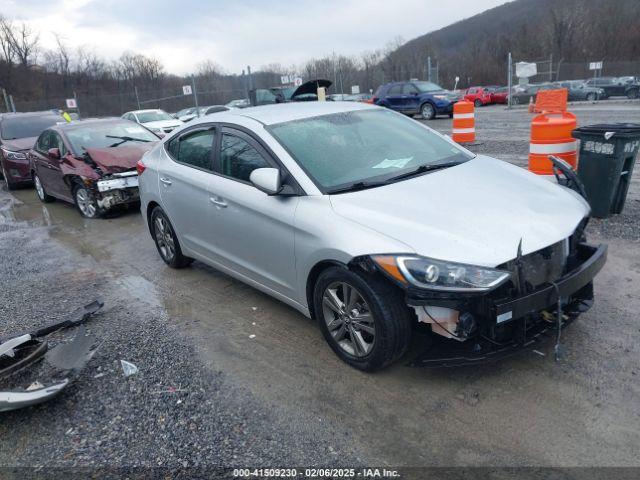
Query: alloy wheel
{"points": [[427, 111], [164, 238], [85, 203], [348, 318], [39, 187]]}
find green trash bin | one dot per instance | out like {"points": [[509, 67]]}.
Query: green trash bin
{"points": [[605, 165]]}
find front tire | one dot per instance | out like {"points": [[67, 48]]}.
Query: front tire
{"points": [[166, 240], [591, 97], [477, 103], [86, 202], [7, 179], [362, 317], [632, 94], [428, 111]]}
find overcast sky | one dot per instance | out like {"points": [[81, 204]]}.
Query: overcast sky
{"points": [[236, 33]]}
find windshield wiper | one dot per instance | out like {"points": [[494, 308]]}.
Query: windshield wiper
{"points": [[354, 187], [125, 139], [423, 169]]}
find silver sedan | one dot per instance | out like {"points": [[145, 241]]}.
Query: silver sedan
{"points": [[368, 221]]}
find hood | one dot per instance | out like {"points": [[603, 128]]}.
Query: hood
{"points": [[163, 123], [118, 159], [474, 213], [19, 144], [311, 87]]}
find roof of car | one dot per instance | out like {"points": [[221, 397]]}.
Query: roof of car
{"points": [[147, 110], [284, 112]]}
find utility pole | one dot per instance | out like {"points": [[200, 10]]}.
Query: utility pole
{"points": [[429, 68], [13, 105], [195, 94], [137, 97], [250, 78], [551, 68], [6, 99], [509, 81], [77, 104], [244, 84]]}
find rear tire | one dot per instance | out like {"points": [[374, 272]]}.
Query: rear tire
{"points": [[368, 330], [40, 191], [428, 111], [477, 103], [166, 240], [632, 94], [591, 97]]}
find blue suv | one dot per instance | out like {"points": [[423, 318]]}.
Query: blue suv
{"points": [[425, 98]]}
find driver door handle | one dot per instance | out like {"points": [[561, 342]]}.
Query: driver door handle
{"points": [[166, 181]]}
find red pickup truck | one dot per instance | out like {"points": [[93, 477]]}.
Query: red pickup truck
{"points": [[480, 95]]}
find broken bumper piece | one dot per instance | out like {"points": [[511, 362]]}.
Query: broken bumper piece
{"points": [[63, 363], [118, 181]]}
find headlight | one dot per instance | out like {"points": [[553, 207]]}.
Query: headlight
{"points": [[441, 97], [441, 275], [9, 155]]}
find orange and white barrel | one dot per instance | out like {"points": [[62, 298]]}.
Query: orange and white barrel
{"points": [[464, 122], [551, 135]]}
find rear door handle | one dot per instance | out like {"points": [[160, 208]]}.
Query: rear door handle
{"points": [[218, 202], [166, 181]]}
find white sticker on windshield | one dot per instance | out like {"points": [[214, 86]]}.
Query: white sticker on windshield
{"points": [[397, 163], [134, 129]]}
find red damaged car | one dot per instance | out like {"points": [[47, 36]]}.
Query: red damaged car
{"points": [[480, 95], [90, 163]]}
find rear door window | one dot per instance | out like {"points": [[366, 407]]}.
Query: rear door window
{"points": [[42, 144], [194, 148], [409, 89]]}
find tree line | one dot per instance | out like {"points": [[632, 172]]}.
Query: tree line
{"points": [[475, 49]]}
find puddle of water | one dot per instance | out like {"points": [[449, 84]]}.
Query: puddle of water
{"points": [[141, 289]]}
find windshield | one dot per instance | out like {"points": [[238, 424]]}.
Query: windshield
{"points": [[108, 134], [428, 87], [341, 149], [26, 126], [144, 117]]}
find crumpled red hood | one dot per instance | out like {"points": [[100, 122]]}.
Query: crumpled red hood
{"points": [[119, 159]]}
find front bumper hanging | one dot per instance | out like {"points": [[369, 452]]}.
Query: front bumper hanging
{"points": [[527, 315]]}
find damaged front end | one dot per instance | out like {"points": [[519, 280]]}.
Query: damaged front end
{"points": [[117, 189], [543, 292]]}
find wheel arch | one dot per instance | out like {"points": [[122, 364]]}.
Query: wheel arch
{"points": [[150, 207]]}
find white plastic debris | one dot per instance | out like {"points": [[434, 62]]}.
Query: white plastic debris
{"points": [[252, 336], [128, 368], [35, 386], [254, 308]]}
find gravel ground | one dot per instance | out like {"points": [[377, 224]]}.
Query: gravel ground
{"points": [[174, 413]]}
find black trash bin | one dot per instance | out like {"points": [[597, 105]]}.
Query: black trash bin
{"points": [[605, 165]]}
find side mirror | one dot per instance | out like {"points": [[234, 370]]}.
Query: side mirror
{"points": [[267, 180], [54, 153]]}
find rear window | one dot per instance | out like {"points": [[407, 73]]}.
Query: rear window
{"points": [[25, 126]]}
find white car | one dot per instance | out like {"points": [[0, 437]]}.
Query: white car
{"points": [[156, 120], [376, 226]]}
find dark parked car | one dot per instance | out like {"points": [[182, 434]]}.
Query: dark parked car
{"points": [[18, 133], [616, 87], [91, 163], [523, 94], [425, 98], [579, 90]]}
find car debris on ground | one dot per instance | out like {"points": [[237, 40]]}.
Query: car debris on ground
{"points": [[22, 386]]}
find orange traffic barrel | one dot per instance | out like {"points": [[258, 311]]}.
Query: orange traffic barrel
{"points": [[551, 135], [464, 122]]}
